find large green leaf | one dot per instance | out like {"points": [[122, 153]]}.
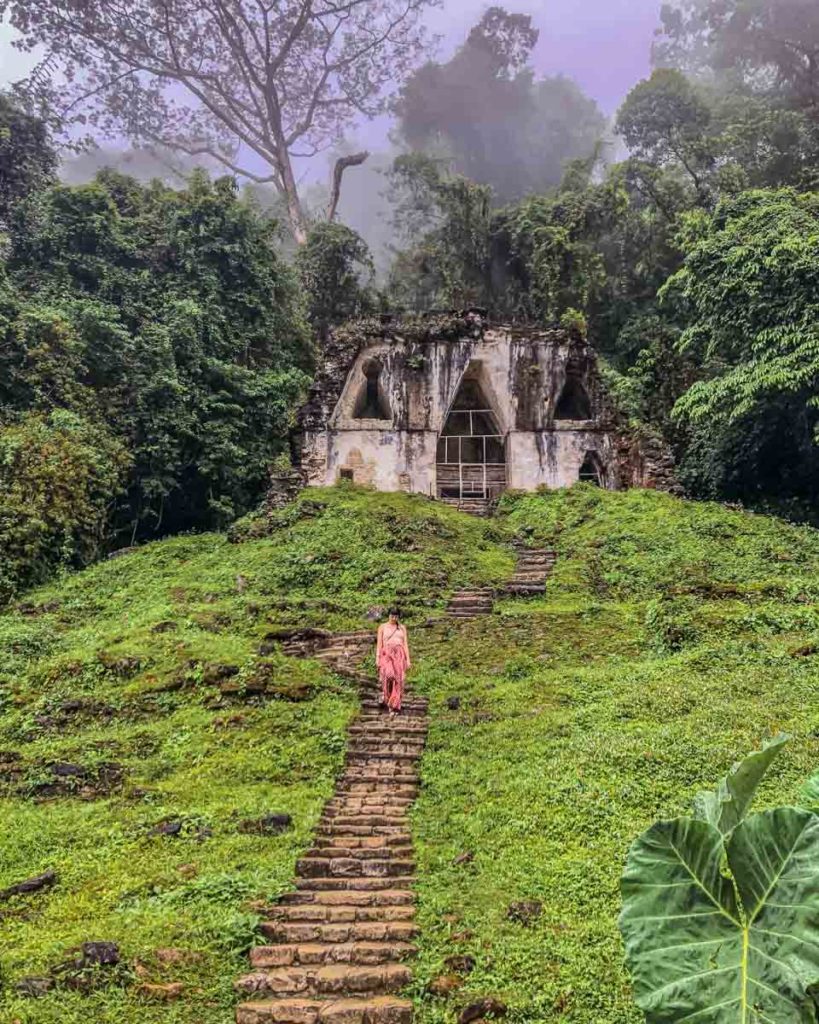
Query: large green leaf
{"points": [[809, 797], [727, 805], [702, 951]]}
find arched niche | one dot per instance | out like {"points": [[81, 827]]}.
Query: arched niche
{"points": [[574, 402], [371, 403], [592, 470]]}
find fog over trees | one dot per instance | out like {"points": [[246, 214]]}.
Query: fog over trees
{"points": [[173, 324]]}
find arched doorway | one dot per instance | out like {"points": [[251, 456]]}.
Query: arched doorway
{"points": [[471, 460], [592, 470]]}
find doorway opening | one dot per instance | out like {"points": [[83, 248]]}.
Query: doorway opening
{"points": [[471, 459], [592, 470]]}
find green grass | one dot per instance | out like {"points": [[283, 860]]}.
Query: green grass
{"points": [[663, 650], [143, 642], [674, 636]]}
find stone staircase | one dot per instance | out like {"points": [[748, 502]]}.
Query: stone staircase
{"points": [[532, 570], [472, 506], [339, 943], [470, 603]]}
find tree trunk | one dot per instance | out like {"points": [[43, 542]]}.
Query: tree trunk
{"points": [[295, 213]]}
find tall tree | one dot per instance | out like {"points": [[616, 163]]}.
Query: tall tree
{"points": [[748, 298], [27, 157], [249, 83], [771, 45], [485, 110]]}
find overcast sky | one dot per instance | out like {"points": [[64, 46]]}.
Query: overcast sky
{"points": [[603, 44]]}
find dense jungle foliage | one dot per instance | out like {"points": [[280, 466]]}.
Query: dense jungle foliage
{"points": [[674, 637], [177, 325]]}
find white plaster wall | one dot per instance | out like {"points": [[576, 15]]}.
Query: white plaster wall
{"points": [[549, 458], [400, 454]]}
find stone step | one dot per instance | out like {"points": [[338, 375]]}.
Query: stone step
{"points": [[385, 746], [354, 931], [361, 852], [356, 803], [363, 819], [377, 1010], [370, 897], [341, 913], [414, 710], [332, 979], [366, 725], [357, 787], [356, 774], [375, 756], [353, 868], [366, 842], [365, 953], [338, 829], [356, 883]]}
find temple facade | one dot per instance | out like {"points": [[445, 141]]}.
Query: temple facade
{"points": [[461, 409]]}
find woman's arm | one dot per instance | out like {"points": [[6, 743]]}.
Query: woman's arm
{"points": [[406, 647], [379, 636]]}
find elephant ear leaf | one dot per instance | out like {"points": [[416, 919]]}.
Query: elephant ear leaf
{"points": [[726, 806], [774, 858], [810, 794], [693, 954], [680, 922]]}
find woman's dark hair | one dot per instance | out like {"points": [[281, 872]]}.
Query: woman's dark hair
{"points": [[396, 612]]}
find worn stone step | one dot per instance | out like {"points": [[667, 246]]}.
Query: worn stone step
{"points": [[355, 804], [366, 725], [365, 842], [322, 913], [361, 803], [333, 979], [406, 786], [364, 953], [355, 883], [361, 773], [394, 828], [376, 757], [361, 852], [407, 752], [353, 931], [376, 1010], [400, 745], [412, 710], [373, 896], [399, 799], [365, 820], [360, 868]]}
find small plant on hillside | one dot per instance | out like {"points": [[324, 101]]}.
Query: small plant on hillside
{"points": [[721, 911]]}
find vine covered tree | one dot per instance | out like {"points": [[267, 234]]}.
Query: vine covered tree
{"points": [[250, 83]]}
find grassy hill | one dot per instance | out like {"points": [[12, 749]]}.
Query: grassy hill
{"points": [[134, 699]]}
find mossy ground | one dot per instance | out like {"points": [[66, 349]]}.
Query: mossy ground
{"points": [[673, 637], [123, 664]]}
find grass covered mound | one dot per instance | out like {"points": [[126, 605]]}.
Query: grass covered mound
{"points": [[144, 739], [673, 638]]}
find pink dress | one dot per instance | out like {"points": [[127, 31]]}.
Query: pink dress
{"points": [[393, 661]]}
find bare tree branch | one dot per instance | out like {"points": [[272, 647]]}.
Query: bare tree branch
{"points": [[338, 173]]}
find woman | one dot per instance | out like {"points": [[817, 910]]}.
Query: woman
{"points": [[393, 659]]}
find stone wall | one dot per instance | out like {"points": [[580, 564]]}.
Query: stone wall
{"points": [[419, 365]]}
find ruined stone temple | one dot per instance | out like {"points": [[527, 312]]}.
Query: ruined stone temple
{"points": [[461, 409]]}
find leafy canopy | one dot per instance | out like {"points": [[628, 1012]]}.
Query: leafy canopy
{"points": [[239, 81], [168, 316]]}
